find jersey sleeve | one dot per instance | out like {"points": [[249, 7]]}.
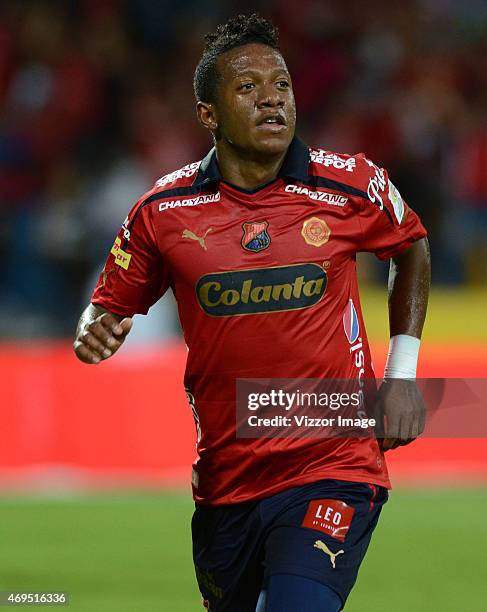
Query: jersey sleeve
{"points": [[134, 277], [388, 225]]}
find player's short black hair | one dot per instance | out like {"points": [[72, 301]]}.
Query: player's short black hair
{"points": [[238, 31]]}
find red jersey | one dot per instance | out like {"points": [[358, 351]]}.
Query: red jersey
{"points": [[266, 287]]}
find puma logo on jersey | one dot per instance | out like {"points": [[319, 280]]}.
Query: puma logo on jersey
{"points": [[322, 546], [201, 239]]}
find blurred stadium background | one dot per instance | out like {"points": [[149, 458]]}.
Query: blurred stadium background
{"points": [[96, 103]]}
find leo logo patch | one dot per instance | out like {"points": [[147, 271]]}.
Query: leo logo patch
{"points": [[329, 516]]}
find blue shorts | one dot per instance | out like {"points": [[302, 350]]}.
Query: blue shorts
{"points": [[320, 531]]}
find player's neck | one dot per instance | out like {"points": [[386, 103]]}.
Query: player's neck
{"points": [[247, 173]]}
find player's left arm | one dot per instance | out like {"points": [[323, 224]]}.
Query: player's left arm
{"points": [[393, 231], [409, 286], [400, 401]]}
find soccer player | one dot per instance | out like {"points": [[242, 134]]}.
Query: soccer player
{"points": [[258, 243]]}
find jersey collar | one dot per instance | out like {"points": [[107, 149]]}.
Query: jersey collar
{"points": [[295, 165]]}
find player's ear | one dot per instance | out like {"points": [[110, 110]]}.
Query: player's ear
{"points": [[206, 114]]}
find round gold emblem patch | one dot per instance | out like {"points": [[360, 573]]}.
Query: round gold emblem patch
{"points": [[315, 231]]}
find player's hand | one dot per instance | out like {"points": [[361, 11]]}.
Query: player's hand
{"points": [[402, 411], [101, 338]]}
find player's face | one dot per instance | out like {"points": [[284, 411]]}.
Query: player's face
{"points": [[255, 110]]}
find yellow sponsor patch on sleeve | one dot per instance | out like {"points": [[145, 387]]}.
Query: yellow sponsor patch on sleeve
{"points": [[121, 257]]}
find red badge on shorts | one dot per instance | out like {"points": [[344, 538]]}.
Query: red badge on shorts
{"points": [[330, 516]]}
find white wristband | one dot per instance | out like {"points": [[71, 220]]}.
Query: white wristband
{"points": [[402, 359]]}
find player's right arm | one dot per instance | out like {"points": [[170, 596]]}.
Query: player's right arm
{"points": [[99, 334], [134, 277]]}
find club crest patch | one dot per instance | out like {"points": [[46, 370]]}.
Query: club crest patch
{"points": [[255, 236], [315, 232]]}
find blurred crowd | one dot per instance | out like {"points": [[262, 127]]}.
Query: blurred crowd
{"points": [[96, 102]]}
